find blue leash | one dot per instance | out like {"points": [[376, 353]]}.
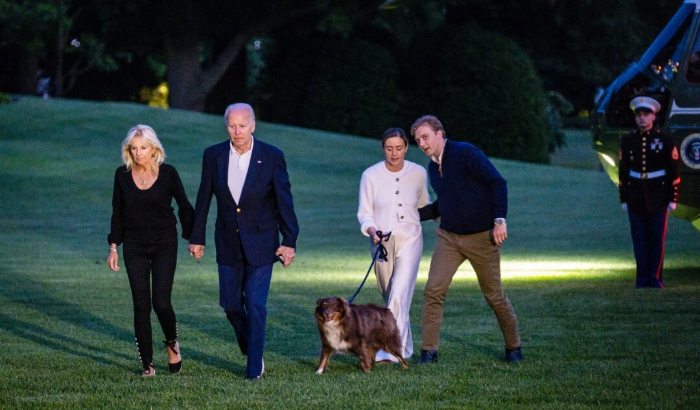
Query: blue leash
{"points": [[381, 253]]}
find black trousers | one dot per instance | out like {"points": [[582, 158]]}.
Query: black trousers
{"points": [[143, 264]]}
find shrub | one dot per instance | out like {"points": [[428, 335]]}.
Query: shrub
{"points": [[355, 90], [350, 86], [486, 91]]}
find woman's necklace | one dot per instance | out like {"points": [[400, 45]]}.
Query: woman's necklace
{"points": [[141, 175]]}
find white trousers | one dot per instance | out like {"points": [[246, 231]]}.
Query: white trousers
{"points": [[396, 280]]}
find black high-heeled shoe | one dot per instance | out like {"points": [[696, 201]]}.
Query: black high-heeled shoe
{"points": [[175, 348]]}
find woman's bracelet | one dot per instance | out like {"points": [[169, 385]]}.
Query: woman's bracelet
{"points": [[112, 249]]}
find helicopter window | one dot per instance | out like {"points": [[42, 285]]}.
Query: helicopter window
{"points": [[655, 71], [664, 67], [619, 114], [693, 72], [665, 63]]}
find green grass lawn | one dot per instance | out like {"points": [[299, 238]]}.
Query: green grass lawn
{"points": [[66, 334]]}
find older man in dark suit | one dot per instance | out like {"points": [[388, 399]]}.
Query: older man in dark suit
{"points": [[254, 206]]}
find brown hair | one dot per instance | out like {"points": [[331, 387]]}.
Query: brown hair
{"points": [[394, 132], [429, 120]]}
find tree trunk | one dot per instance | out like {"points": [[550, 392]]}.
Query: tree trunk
{"points": [[184, 77], [57, 86], [27, 73], [188, 84]]}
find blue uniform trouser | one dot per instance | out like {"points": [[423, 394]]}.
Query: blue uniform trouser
{"points": [[243, 291], [648, 237]]}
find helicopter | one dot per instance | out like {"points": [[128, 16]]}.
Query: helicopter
{"points": [[668, 71]]}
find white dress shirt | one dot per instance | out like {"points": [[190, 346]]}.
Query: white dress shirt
{"points": [[238, 169]]}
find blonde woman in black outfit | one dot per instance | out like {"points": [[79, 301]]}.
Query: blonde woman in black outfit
{"points": [[144, 221]]}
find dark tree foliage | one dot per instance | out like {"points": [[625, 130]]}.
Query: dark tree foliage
{"points": [[346, 66], [324, 82], [485, 90], [577, 46]]}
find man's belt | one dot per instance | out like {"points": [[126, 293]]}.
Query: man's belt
{"points": [[647, 175]]}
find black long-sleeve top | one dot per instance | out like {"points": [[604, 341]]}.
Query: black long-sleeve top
{"points": [[147, 216]]}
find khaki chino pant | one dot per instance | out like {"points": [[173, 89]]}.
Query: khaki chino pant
{"points": [[450, 252]]}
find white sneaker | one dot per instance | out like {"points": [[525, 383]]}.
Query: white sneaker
{"points": [[384, 357]]}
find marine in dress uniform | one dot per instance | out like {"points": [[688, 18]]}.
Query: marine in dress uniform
{"points": [[649, 179]]}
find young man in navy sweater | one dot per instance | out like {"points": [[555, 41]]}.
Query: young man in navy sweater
{"points": [[472, 203]]}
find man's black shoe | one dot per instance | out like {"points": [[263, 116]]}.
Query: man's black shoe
{"points": [[428, 356], [514, 355]]}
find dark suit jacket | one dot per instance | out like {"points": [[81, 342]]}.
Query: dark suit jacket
{"points": [[251, 228], [648, 152]]}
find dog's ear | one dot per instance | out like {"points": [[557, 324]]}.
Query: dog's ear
{"points": [[319, 301]]}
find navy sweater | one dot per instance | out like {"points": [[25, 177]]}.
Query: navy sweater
{"points": [[471, 193]]}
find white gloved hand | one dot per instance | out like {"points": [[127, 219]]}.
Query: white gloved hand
{"points": [[671, 206], [624, 206]]}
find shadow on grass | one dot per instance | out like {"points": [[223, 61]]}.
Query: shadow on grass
{"points": [[601, 311], [30, 294], [60, 343]]}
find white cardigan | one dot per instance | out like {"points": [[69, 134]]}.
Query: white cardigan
{"points": [[389, 198]]}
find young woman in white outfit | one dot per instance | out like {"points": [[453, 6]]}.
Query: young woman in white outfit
{"points": [[391, 192]]}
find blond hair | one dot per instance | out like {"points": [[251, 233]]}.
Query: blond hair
{"points": [[148, 136]]}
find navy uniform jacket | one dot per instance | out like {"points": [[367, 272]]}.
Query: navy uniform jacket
{"points": [[265, 211], [643, 156], [471, 193]]}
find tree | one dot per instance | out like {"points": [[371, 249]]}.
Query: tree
{"points": [[486, 91], [350, 86], [24, 30], [43, 35], [202, 39]]}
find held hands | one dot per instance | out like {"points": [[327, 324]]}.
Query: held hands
{"points": [[196, 250], [287, 254]]}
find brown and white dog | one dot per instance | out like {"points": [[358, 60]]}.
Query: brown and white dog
{"points": [[360, 329]]}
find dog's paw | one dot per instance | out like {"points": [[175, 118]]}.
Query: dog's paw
{"points": [[319, 371]]}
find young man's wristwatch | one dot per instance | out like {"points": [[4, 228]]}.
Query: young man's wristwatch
{"points": [[499, 221]]}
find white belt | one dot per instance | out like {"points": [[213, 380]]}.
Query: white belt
{"points": [[647, 175]]}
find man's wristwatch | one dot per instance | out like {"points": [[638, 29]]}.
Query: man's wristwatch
{"points": [[499, 221]]}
